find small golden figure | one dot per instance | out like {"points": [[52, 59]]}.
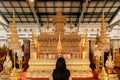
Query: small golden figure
{"points": [[7, 65], [109, 64]]}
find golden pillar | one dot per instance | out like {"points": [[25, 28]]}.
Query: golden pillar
{"points": [[59, 47]]}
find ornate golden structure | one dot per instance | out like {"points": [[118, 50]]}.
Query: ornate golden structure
{"points": [[77, 67], [67, 45], [103, 43], [49, 41], [14, 45]]}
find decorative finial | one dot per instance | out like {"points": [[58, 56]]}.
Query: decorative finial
{"points": [[59, 17], [14, 19], [13, 27], [59, 10], [103, 21]]}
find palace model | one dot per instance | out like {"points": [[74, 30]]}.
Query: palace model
{"points": [[46, 48], [48, 42], [89, 48]]}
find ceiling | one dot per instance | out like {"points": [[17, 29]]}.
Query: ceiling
{"points": [[77, 11]]}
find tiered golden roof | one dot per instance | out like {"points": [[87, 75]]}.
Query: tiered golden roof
{"points": [[103, 35], [59, 21], [59, 18], [13, 28], [103, 43], [70, 42], [14, 43]]}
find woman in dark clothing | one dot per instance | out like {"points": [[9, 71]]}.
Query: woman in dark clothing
{"points": [[60, 72]]}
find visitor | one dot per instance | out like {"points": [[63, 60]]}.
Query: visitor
{"points": [[61, 72]]}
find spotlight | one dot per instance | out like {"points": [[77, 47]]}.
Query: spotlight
{"points": [[31, 1]]}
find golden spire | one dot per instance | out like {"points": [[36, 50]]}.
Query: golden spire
{"points": [[103, 35], [103, 72], [103, 43], [14, 36], [59, 10], [59, 46], [13, 28], [59, 21], [103, 21], [59, 17]]}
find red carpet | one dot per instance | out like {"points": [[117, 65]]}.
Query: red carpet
{"points": [[39, 79]]}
